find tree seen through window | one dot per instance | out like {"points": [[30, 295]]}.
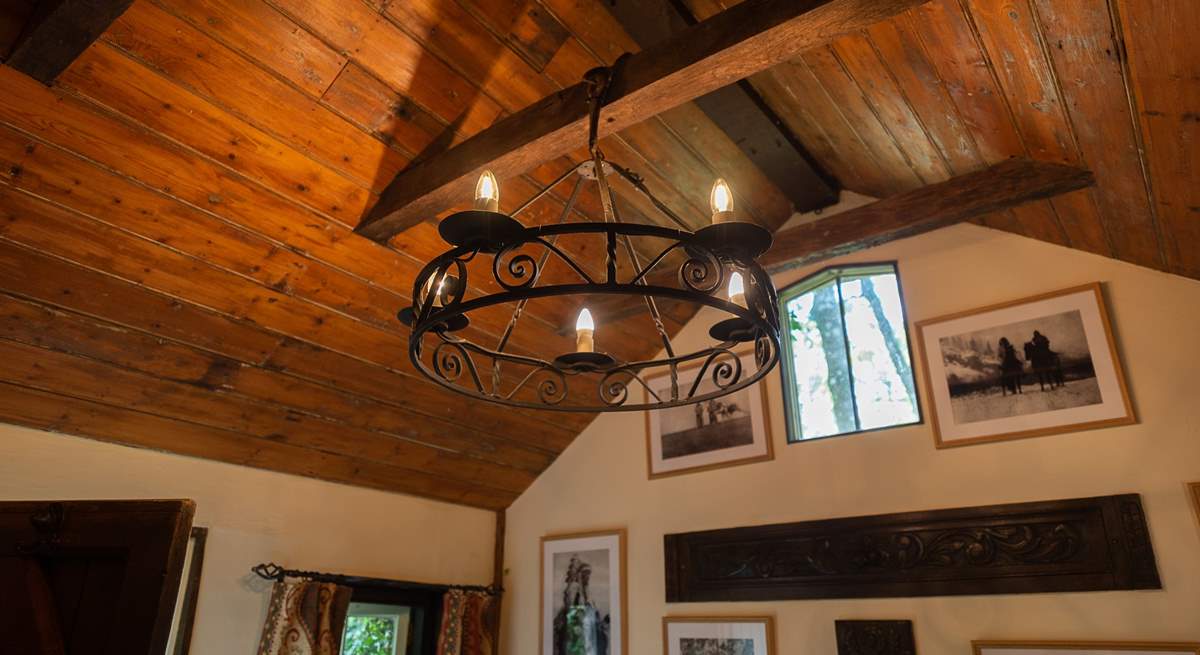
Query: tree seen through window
{"points": [[846, 361]]}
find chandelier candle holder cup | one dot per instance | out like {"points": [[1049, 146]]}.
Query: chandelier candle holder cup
{"points": [[715, 266]]}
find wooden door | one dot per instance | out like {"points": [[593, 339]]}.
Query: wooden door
{"points": [[96, 577]]}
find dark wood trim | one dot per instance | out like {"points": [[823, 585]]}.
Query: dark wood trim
{"points": [[1083, 544], [498, 578], [187, 608], [719, 51], [996, 188], [58, 32]]}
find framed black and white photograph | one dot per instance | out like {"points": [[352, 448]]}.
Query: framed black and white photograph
{"points": [[725, 431], [1084, 648], [583, 594], [1031, 367], [694, 635]]}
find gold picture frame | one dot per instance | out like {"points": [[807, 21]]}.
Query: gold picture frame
{"points": [[1112, 406], [1175, 647], [767, 622], [759, 416], [620, 599]]}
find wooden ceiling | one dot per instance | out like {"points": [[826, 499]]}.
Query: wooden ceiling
{"points": [[179, 271]]}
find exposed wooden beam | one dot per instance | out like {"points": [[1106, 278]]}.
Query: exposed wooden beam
{"points": [[1003, 186], [738, 110], [14, 15], [728, 47], [58, 31]]}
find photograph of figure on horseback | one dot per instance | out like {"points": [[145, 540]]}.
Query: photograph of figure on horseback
{"points": [[1024, 368], [1036, 365]]}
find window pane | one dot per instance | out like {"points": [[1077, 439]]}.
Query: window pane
{"points": [[376, 629], [879, 356], [369, 635], [848, 364], [823, 404]]}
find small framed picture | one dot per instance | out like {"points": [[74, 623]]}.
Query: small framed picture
{"points": [[875, 637], [726, 431], [695, 635], [1084, 648], [583, 594], [1026, 368]]}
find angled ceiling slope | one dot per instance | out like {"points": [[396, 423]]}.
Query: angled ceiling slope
{"points": [[178, 263]]}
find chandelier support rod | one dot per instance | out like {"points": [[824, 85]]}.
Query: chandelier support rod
{"points": [[541, 265], [636, 181], [651, 305], [546, 189], [512, 322]]}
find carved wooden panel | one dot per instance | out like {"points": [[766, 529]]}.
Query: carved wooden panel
{"points": [[1084, 544], [875, 638]]}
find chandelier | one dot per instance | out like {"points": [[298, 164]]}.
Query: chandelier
{"points": [[496, 263]]}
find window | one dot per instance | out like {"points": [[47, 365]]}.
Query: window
{"points": [[846, 362], [376, 629], [392, 619]]}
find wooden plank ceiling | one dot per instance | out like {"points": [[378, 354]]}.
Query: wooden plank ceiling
{"points": [[178, 269]]}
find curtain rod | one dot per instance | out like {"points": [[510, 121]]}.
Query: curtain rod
{"points": [[273, 571]]}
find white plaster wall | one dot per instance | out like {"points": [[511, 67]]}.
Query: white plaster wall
{"points": [[257, 516], [600, 481]]}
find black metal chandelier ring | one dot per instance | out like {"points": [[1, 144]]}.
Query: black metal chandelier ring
{"points": [[464, 366]]}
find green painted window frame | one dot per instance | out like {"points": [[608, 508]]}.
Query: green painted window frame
{"points": [[787, 372]]}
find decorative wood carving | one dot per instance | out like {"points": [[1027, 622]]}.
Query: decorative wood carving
{"points": [[875, 638], [1084, 544]]}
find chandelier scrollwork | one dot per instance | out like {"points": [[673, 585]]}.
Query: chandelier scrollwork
{"points": [[712, 267]]}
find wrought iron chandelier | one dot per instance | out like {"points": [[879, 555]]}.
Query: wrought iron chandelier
{"points": [[714, 266]]}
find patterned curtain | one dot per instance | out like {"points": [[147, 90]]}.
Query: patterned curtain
{"points": [[467, 623], [305, 618]]}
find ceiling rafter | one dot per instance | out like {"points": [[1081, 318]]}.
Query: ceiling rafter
{"points": [[1006, 185], [58, 32]]}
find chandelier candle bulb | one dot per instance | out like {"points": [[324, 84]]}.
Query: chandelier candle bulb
{"points": [[585, 329], [487, 192], [720, 200], [436, 301], [737, 290]]}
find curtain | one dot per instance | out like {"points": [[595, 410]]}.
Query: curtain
{"points": [[305, 618], [467, 623]]}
